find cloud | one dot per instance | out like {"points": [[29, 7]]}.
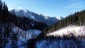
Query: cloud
{"points": [[20, 8], [74, 5]]}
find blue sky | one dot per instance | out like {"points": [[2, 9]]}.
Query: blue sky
{"points": [[48, 7]]}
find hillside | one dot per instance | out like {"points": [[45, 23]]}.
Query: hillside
{"points": [[77, 18], [69, 31], [15, 31], [34, 16], [26, 29]]}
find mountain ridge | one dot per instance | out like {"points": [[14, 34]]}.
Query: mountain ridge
{"points": [[37, 17], [23, 32]]}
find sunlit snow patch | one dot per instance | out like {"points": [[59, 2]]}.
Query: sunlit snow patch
{"points": [[76, 30]]}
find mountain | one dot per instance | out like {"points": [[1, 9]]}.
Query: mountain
{"points": [[34, 16], [25, 29], [77, 18], [67, 33], [12, 36], [60, 18], [15, 31]]}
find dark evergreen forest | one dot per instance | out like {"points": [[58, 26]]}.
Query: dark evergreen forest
{"points": [[78, 18]]}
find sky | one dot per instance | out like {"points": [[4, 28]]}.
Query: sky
{"points": [[53, 8]]}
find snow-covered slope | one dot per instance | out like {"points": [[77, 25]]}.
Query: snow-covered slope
{"points": [[64, 42], [35, 16], [76, 30], [61, 43], [25, 35], [16, 37]]}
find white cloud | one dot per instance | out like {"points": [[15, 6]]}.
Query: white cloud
{"points": [[74, 5], [20, 8]]}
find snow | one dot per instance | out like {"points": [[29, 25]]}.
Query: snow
{"points": [[61, 43], [30, 34], [25, 34], [76, 30], [34, 16], [60, 18], [36, 32], [29, 15], [46, 17], [22, 35], [21, 12], [8, 45]]}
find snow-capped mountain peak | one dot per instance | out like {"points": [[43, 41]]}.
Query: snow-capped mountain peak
{"points": [[34, 16], [60, 18]]}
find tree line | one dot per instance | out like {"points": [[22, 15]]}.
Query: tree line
{"points": [[78, 18]]}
